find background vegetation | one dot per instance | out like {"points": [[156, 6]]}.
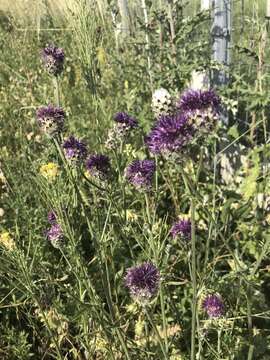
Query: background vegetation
{"points": [[72, 303]]}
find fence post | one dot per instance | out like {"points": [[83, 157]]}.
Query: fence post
{"points": [[221, 34]]}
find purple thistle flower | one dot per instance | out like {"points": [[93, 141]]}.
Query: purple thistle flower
{"points": [[181, 228], [143, 281], [99, 166], [74, 149], [51, 119], [121, 130], [213, 305], [199, 100], [53, 59], [169, 135], [55, 235], [51, 217], [140, 173], [127, 120]]}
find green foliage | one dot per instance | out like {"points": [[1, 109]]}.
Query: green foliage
{"points": [[71, 302]]}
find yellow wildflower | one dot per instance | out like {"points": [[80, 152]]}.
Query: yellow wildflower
{"points": [[49, 171], [131, 216], [7, 241]]}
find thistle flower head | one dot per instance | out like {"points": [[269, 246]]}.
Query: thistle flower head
{"points": [[169, 135], [51, 119], [140, 173], [213, 305], [55, 235], [201, 100], [53, 59], [126, 119], [74, 149], [98, 166], [182, 229], [143, 281]]}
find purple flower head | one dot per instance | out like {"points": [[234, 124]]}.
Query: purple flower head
{"points": [[181, 228], [51, 119], [53, 59], [199, 100], [74, 149], [213, 305], [169, 135], [52, 217], [143, 281], [127, 120], [140, 173], [55, 235], [99, 166]]}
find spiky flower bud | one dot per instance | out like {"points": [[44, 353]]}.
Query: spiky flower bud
{"points": [[51, 119], [53, 59], [98, 165], [140, 174], [143, 282], [75, 150]]}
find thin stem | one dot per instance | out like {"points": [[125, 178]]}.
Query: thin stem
{"points": [[56, 90], [194, 280], [157, 334], [164, 320]]}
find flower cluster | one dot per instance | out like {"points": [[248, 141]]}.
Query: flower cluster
{"points": [[162, 103], [143, 282], [51, 119], [197, 112], [6, 241], [50, 171], [75, 150], [140, 173], [182, 229], [53, 59], [124, 124], [213, 305], [99, 166]]}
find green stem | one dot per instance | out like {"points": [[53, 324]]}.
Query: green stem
{"points": [[157, 334], [164, 319], [194, 280], [56, 90]]}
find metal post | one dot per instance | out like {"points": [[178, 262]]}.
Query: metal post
{"points": [[221, 33]]}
